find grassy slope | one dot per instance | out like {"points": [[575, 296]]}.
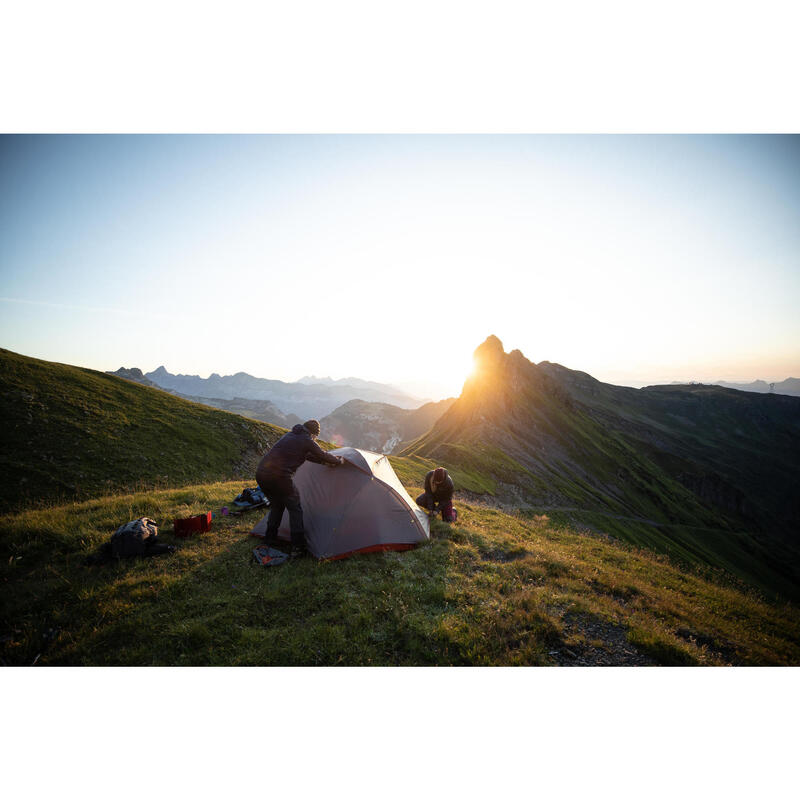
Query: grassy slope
{"points": [[496, 588], [749, 441], [71, 432], [598, 476], [583, 463], [734, 550]]}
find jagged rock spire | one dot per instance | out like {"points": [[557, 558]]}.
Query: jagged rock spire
{"points": [[491, 349]]}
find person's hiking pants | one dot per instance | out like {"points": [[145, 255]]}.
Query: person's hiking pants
{"points": [[426, 500], [282, 494]]}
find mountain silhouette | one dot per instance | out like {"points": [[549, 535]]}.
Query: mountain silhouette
{"points": [[704, 469], [301, 399]]}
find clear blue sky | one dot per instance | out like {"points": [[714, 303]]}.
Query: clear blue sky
{"points": [[638, 259]]}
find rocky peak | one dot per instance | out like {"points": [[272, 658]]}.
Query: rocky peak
{"points": [[484, 391], [132, 374], [488, 353]]}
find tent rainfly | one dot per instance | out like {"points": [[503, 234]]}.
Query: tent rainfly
{"points": [[359, 507]]}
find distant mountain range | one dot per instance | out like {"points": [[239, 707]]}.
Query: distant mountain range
{"points": [[261, 410], [303, 400], [379, 427], [358, 383], [376, 426], [790, 386]]}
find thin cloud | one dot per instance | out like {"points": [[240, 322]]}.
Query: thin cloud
{"points": [[134, 312]]}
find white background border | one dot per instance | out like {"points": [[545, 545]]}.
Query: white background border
{"points": [[412, 67]]}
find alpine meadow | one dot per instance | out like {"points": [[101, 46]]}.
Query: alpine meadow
{"points": [[586, 536]]}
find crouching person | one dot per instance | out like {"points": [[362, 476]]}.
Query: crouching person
{"points": [[438, 494], [274, 475]]}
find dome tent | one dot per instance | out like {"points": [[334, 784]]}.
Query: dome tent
{"points": [[360, 507]]}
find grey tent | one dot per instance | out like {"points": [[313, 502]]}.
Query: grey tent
{"points": [[356, 508]]}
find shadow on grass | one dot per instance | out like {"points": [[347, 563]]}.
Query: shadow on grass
{"points": [[224, 609]]}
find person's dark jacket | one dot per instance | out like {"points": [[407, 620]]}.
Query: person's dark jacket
{"points": [[444, 492], [289, 452]]}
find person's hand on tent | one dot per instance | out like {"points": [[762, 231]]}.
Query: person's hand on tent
{"points": [[341, 460]]}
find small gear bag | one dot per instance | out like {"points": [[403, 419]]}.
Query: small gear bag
{"points": [[139, 537]]}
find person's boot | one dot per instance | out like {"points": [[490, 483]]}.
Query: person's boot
{"points": [[271, 537], [298, 549]]}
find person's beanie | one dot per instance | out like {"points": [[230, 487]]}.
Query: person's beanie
{"points": [[312, 426]]}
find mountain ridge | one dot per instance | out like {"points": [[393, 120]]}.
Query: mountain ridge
{"points": [[379, 427], [72, 432], [357, 383], [303, 400], [789, 386], [672, 462]]}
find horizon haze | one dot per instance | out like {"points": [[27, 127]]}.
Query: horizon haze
{"points": [[408, 387]]}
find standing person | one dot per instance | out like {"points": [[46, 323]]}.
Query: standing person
{"points": [[274, 475], [438, 494]]}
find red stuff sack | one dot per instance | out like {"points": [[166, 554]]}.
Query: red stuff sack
{"points": [[186, 527]]}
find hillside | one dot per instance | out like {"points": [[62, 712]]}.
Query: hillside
{"points": [[379, 426], [261, 410], [509, 587], [72, 433], [706, 474], [496, 589]]}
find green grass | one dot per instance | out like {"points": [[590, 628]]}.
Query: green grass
{"points": [[703, 474], [495, 589], [70, 432], [695, 538], [84, 452], [736, 553], [468, 476]]}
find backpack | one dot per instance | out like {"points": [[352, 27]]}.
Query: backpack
{"points": [[137, 538], [449, 514], [251, 498]]}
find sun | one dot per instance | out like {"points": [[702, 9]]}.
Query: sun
{"points": [[462, 371]]}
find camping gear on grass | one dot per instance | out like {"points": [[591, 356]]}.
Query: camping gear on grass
{"points": [[359, 507], [200, 523], [139, 537], [251, 498], [269, 556], [449, 514]]}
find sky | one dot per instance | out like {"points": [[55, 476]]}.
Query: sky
{"points": [[638, 259]]}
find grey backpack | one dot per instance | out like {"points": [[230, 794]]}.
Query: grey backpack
{"points": [[136, 538]]}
